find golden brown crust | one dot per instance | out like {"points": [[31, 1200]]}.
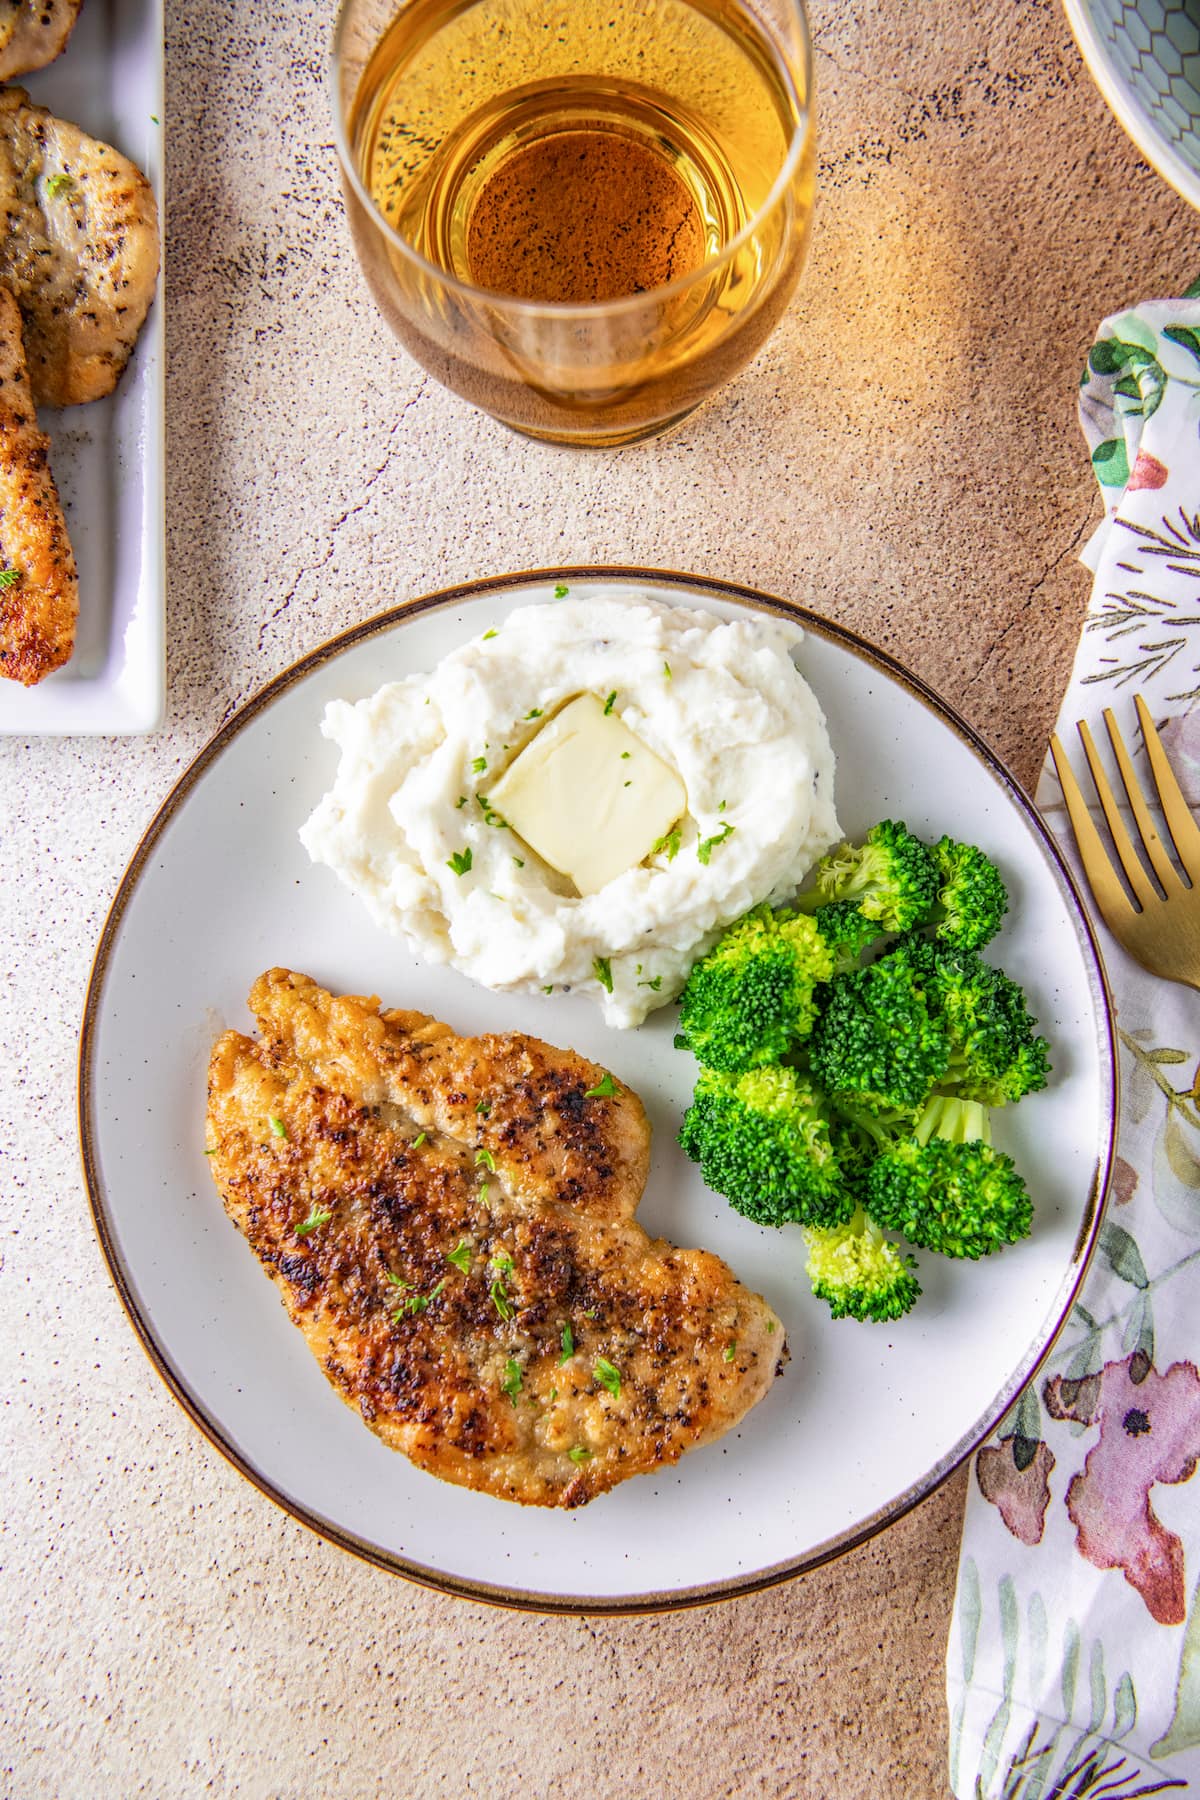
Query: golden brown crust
{"points": [[466, 1368], [39, 592], [79, 250]]}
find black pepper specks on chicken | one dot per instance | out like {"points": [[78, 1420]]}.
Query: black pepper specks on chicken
{"points": [[33, 33], [39, 592], [449, 1221], [78, 249]]}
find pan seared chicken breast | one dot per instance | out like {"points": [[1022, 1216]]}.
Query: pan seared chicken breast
{"points": [[79, 250], [39, 594], [32, 33], [449, 1221]]}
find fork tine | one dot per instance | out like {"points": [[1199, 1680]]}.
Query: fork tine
{"points": [[1183, 829], [1135, 874], [1151, 841], [1109, 895]]}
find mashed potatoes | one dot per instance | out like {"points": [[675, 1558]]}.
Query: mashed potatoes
{"points": [[410, 826]]}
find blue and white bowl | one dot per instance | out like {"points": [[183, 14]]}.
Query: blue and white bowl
{"points": [[1145, 58]]}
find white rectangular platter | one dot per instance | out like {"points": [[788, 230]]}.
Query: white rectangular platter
{"points": [[108, 456]]}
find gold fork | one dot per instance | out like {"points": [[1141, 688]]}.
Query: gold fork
{"points": [[1162, 930]]}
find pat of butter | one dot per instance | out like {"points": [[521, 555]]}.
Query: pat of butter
{"points": [[588, 796]]}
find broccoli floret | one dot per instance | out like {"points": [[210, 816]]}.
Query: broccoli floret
{"points": [[751, 998], [946, 1188], [996, 1056], [877, 1044], [891, 875], [847, 931], [861, 1274], [971, 899], [762, 1140]]}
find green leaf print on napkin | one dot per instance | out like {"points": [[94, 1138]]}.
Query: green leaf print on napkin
{"points": [[1122, 1254], [1184, 1730], [1111, 463], [1177, 1174], [1176, 1164], [1185, 337], [1058, 1757], [1140, 380], [1110, 356]]}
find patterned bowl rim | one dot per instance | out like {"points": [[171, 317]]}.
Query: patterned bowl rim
{"points": [[1132, 112]]}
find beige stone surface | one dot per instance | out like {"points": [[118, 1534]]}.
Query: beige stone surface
{"points": [[902, 457]]}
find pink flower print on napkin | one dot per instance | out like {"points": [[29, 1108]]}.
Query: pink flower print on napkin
{"points": [[1015, 1476], [1147, 472], [1149, 1432], [1124, 1182]]}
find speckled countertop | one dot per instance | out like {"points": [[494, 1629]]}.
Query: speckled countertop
{"points": [[902, 457]]}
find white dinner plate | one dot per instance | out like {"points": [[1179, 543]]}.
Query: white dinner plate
{"points": [[864, 1420], [107, 456]]}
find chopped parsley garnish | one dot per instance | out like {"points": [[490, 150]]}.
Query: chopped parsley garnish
{"points": [[499, 1290], [479, 764], [483, 1107], [607, 1374], [548, 990], [461, 802], [535, 712], [553, 1396], [653, 983], [489, 634], [314, 1219], [519, 862], [511, 1385], [59, 183], [625, 755], [210, 1152], [604, 1089], [412, 1303], [730, 1351], [602, 970], [629, 784], [460, 1256], [490, 815], [278, 1128], [485, 1189], [579, 1454], [487, 1160], [770, 1324], [568, 1344], [705, 848], [419, 1139], [609, 704], [461, 861], [666, 671], [561, 590], [669, 843], [9, 578], [722, 806]]}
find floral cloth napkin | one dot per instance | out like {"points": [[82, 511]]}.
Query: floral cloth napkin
{"points": [[1073, 1666]]}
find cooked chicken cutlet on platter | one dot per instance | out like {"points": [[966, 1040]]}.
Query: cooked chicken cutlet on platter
{"points": [[79, 250], [450, 1222], [39, 593], [32, 33]]}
